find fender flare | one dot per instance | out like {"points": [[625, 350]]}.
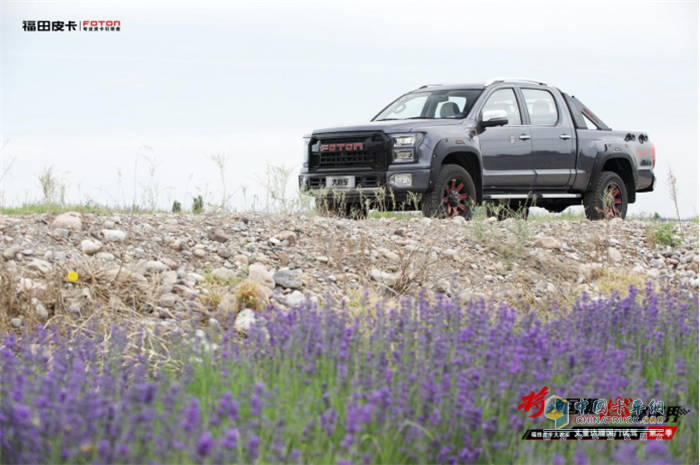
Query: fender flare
{"points": [[603, 157], [448, 146]]}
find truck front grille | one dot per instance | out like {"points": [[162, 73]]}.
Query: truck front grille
{"points": [[373, 153]]}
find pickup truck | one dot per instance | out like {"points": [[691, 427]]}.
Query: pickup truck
{"points": [[507, 143]]}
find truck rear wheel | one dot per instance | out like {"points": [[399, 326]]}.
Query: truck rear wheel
{"points": [[607, 199], [454, 194]]}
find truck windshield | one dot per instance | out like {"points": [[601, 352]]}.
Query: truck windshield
{"points": [[436, 104]]}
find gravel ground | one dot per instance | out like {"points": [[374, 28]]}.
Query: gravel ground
{"points": [[164, 267]]}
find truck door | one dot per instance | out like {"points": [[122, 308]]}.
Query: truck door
{"points": [[553, 139], [505, 149]]}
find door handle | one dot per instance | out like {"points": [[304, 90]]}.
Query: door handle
{"points": [[524, 137], [565, 137]]}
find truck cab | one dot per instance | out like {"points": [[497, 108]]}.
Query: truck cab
{"points": [[512, 142]]}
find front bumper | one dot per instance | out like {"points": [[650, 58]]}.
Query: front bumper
{"points": [[367, 182]]}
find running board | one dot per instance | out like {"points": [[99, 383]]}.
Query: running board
{"points": [[531, 196]]}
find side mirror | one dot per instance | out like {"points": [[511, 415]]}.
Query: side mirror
{"points": [[493, 118]]}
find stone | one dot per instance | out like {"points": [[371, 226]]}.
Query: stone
{"points": [[223, 253], [388, 254], [288, 279], [547, 243], [60, 233], [172, 264], [294, 299], [242, 259], [214, 325], [152, 266], [42, 266], [223, 275], [257, 272], [195, 277], [217, 235], [289, 236], [90, 247], [200, 253], [614, 255], [126, 275], [322, 259], [106, 256], [169, 300], [41, 312], [590, 271], [11, 252], [16, 322], [228, 302], [245, 320], [388, 279], [113, 235], [68, 220]]}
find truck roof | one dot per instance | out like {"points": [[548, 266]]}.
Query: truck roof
{"points": [[482, 85]]}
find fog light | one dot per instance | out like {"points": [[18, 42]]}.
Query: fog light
{"points": [[403, 179]]}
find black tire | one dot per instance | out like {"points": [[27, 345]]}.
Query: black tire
{"points": [[609, 189], [454, 194], [502, 210]]}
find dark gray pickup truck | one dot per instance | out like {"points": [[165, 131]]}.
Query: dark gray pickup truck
{"points": [[511, 141]]}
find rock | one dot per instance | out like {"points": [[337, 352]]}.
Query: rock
{"points": [[11, 252], [694, 264], [113, 235], [547, 243], [172, 264], [223, 253], [217, 235], [27, 252], [16, 322], [106, 256], [69, 220], [322, 259], [245, 320], [195, 277], [288, 279], [614, 255], [289, 236], [214, 325], [41, 312], [228, 302], [60, 233], [223, 275], [391, 256], [257, 272], [242, 259], [200, 253], [460, 220], [90, 247], [151, 266], [109, 224], [125, 275], [388, 279], [590, 271], [169, 300], [294, 299], [42, 266]]}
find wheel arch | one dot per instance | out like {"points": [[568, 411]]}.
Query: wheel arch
{"points": [[469, 160], [623, 167]]}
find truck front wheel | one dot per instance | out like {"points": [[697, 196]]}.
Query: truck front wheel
{"points": [[454, 194], [607, 199]]}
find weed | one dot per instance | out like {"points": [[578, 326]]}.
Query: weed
{"points": [[197, 205]]}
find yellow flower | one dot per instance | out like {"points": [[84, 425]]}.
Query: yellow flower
{"points": [[72, 277]]}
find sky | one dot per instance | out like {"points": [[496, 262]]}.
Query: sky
{"points": [[142, 111]]}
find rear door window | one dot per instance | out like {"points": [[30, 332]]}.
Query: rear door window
{"points": [[541, 107]]}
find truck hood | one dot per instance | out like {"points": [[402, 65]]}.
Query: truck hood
{"points": [[392, 126]]}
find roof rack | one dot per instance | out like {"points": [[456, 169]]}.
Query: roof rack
{"points": [[509, 79], [426, 86]]}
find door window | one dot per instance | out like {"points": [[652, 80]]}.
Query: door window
{"points": [[540, 107], [502, 101]]}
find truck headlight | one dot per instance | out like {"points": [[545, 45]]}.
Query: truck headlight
{"points": [[405, 146], [305, 156]]}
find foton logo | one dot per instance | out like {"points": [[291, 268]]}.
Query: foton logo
{"points": [[340, 147]]}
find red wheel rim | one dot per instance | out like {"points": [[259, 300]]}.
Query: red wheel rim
{"points": [[455, 198], [613, 200]]}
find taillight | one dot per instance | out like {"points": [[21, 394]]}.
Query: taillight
{"points": [[653, 156]]}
